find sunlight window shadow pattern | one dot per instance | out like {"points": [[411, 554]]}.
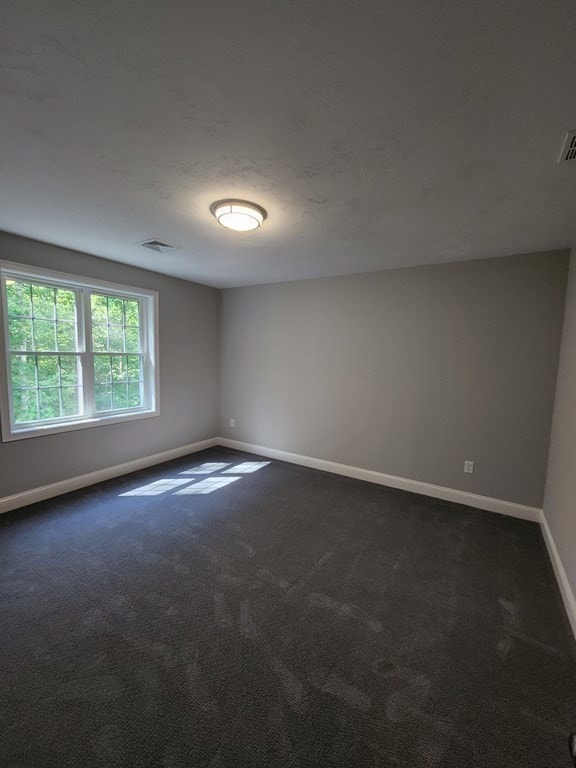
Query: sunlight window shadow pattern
{"points": [[180, 486], [247, 466], [157, 487], [209, 485], [207, 468]]}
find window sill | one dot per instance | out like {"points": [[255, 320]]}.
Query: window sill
{"points": [[70, 426]]}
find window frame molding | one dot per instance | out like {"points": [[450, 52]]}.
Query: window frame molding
{"points": [[148, 334]]}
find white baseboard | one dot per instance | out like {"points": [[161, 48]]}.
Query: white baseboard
{"points": [[561, 577], [509, 508], [44, 492], [8, 503]]}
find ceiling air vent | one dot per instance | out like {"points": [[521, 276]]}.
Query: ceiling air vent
{"points": [[157, 245], [569, 148]]}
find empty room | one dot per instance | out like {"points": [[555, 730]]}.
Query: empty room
{"points": [[287, 384]]}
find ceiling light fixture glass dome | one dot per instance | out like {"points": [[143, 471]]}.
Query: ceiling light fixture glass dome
{"points": [[240, 215]]}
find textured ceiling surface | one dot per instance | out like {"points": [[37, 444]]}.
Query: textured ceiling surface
{"points": [[376, 134]]}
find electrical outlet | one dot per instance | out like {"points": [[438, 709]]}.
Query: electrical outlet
{"points": [[469, 467], [232, 423]]}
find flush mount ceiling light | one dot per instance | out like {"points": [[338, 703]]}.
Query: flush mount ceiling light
{"points": [[239, 215]]}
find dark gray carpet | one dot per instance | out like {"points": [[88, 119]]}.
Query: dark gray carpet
{"points": [[289, 618]]}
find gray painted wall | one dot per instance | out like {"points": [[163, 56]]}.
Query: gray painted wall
{"points": [[189, 333], [560, 498], [407, 372]]}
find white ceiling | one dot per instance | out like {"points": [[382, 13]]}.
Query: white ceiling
{"points": [[377, 133]]}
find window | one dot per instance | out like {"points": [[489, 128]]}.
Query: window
{"points": [[78, 353]]}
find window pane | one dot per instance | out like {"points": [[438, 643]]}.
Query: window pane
{"points": [[102, 372], [23, 371], [20, 334], [100, 338], [119, 372], [43, 301], [99, 306], [134, 395], [65, 304], [45, 335], [19, 301], [68, 370], [134, 368], [103, 393], [116, 336], [66, 336], [119, 395], [115, 310], [25, 405], [48, 371], [49, 403], [132, 339], [132, 312], [70, 401]]}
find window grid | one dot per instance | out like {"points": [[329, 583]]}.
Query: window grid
{"points": [[122, 375], [36, 318], [116, 339], [30, 305], [117, 330], [61, 387]]}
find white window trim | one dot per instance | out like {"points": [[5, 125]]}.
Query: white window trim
{"points": [[149, 331]]}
